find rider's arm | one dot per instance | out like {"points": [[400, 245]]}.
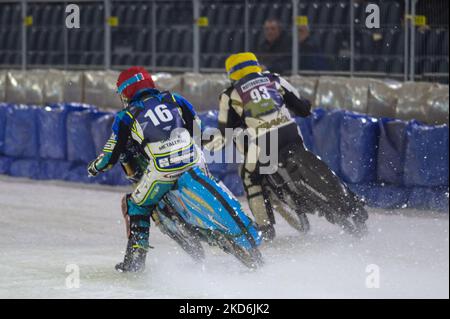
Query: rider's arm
{"points": [[294, 102], [115, 145], [225, 109], [228, 118], [190, 117]]}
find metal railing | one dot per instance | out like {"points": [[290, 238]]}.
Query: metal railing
{"points": [[317, 37]]}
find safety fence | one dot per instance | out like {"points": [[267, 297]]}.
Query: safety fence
{"points": [[402, 39], [390, 162], [424, 101]]}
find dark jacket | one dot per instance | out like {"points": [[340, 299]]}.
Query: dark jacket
{"points": [[276, 56]]}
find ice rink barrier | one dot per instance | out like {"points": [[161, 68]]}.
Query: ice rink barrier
{"points": [[422, 101]]}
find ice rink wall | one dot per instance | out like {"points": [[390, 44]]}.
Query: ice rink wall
{"points": [[388, 140]]}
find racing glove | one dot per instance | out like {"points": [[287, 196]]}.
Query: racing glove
{"points": [[92, 169]]}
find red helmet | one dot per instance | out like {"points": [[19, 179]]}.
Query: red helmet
{"points": [[132, 80]]}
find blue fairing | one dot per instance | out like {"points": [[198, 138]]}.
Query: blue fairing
{"points": [[202, 208]]}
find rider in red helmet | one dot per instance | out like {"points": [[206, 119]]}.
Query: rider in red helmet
{"points": [[132, 80], [161, 126]]}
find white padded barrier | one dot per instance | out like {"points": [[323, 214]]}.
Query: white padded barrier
{"points": [[427, 102], [306, 86], [382, 98], [25, 87], [63, 86], [342, 93], [100, 89], [203, 90]]}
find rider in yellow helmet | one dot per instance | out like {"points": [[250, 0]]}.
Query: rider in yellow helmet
{"points": [[242, 64], [262, 103], [259, 102]]}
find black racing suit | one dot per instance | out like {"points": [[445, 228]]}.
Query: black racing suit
{"points": [[260, 103]]}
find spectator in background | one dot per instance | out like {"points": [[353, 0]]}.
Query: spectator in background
{"points": [[308, 45], [309, 51], [275, 49]]}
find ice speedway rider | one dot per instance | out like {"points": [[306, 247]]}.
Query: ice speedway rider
{"points": [[161, 126], [261, 101]]}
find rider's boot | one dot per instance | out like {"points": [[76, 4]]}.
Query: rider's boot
{"points": [[134, 260], [259, 203], [136, 253]]}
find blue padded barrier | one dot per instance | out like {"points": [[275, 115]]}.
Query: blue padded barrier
{"points": [[432, 198], [80, 143], [391, 151], [78, 173], [21, 133], [5, 164], [52, 132], [358, 146], [218, 170], [426, 156], [3, 110], [225, 162], [326, 129], [54, 169], [209, 119], [439, 199], [78, 107], [419, 198], [409, 153], [389, 196], [114, 176], [29, 168], [305, 124], [382, 196], [101, 129], [234, 184], [217, 166]]}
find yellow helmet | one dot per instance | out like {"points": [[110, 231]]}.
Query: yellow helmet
{"points": [[242, 64]]}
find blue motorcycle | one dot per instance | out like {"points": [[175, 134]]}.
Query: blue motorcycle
{"points": [[200, 210]]}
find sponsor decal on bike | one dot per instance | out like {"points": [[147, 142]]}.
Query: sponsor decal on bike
{"points": [[170, 161], [199, 200]]}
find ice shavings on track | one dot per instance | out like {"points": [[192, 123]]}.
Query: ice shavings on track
{"points": [[46, 226]]}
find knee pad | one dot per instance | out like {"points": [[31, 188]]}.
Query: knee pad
{"points": [[134, 209]]}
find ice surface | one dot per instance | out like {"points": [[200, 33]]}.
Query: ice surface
{"points": [[46, 226]]}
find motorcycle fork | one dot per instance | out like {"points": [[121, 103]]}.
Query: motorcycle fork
{"points": [[269, 207]]}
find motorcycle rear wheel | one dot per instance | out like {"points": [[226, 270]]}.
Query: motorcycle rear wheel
{"points": [[185, 237], [316, 188], [292, 214]]}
